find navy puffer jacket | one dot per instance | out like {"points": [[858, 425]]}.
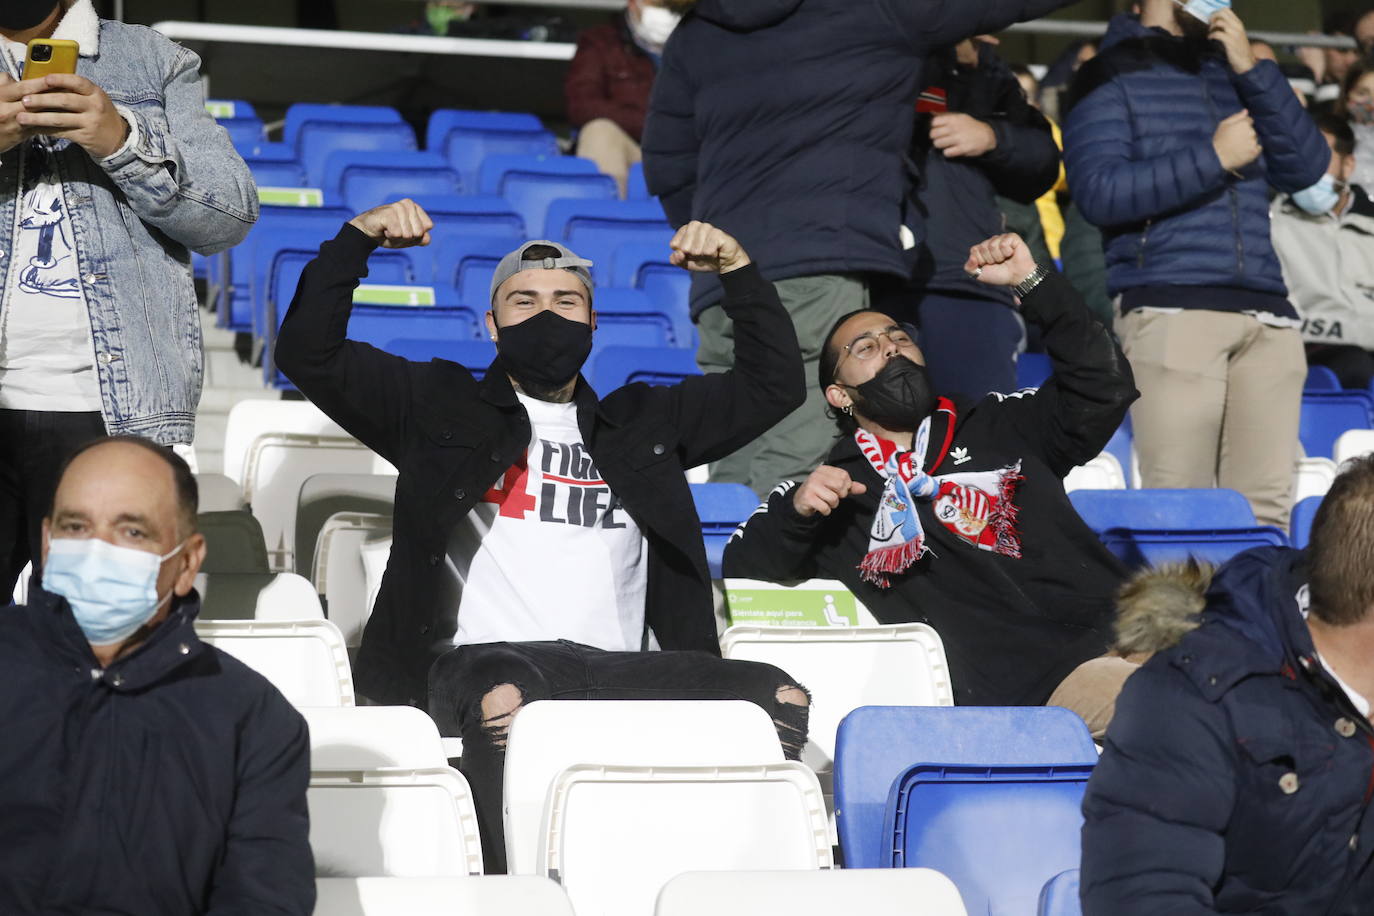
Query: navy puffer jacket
{"points": [[787, 123], [1138, 149], [1236, 774]]}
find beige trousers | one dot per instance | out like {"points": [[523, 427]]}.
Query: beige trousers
{"points": [[1220, 394], [1091, 690], [614, 151]]}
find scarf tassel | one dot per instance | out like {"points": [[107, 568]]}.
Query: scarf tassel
{"points": [[1003, 520], [878, 564]]}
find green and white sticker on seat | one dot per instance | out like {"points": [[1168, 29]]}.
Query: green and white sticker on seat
{"points": [[816, 603], [291, 197], [381, 294], [220, 110]]}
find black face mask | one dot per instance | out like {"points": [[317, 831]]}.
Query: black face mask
{"points": [[898, 397], [20, 15], [545, 352]]}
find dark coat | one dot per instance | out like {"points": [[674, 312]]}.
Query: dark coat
{"points": [[1236, 775], [452, 437], [1138, 149], [171, 783], [787, 123], [610, 77], [1012, 627]]}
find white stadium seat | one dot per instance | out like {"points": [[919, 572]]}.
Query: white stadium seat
{"points": [[861, 891], [613, 836], [1352, 444], [548, 736], [393, 823], [304, 659], [494, 895], [258, 596], [1101, 473], [340, 570], [368, 737], [251, 419], [1312, 477]]}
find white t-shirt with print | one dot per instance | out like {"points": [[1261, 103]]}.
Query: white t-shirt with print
{"points": [[550, 553]]}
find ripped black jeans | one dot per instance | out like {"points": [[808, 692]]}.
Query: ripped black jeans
{"points": [[461, 679]]}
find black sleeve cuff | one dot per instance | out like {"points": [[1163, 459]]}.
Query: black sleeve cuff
{"points": [[745, 282], [350, 249]]}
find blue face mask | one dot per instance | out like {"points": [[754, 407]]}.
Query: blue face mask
{"points": [[1320, 199], [1204, 9], [112, 590]]}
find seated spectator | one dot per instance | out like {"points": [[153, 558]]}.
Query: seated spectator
{"points": [[143, 771], [609, 80], [1357, 107], [953, 512], [1235, 776], [1330, 65], [1324, 237], [544, 539]]}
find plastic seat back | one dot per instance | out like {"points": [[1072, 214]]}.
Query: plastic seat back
{"points": [[492, 895], [364, 178], [1328, 414], [550, 735], [866, 891], [370, 737], [1033, 369], [249, 419], [616, 366], [1059, 896], [377, 325], [1352, 444], [1158, 510], [722, 817], [340, 574], [721, 508], [1320, 378], [233, 542], [323, 496], [257, 596], [466, 138], [467, 215], [1101, 473], [601, 226], [318, 142], [636, 187], [304, 659], [468, 264], [278, 174], [1304, 512], [876, 744], [1138, 547], [393, 822], [998, 832], [1313, 477], [473, 355], [628, 317]]}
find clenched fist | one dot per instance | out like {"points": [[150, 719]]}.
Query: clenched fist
{"points": [[703, 248], [823, 490], [403, 224], [1003, 260], [1236, 142]]}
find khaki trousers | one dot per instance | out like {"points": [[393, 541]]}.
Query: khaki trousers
{"points": [[1220, 394], [614, 151]]}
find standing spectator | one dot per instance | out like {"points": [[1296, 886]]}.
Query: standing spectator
{"points": [[1235, 775], [608, 83], [788, 123], [1357, 106], [1170, 149], [106, 179], [1364, 32], [976, 137], [1324, 236], [143, 770]]}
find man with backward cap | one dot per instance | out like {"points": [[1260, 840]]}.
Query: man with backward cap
{"points": [[545, 539]]}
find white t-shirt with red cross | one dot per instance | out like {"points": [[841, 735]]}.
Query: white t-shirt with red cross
{"points": [[550, 553]]}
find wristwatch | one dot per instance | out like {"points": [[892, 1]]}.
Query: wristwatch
{"points": [[1026, 286]]}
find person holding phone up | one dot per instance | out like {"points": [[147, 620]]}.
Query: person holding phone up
{"points": [[109, 176]]}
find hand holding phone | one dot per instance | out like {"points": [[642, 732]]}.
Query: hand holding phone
{"points": [[74, 108], [12, 133], [50, 55]]}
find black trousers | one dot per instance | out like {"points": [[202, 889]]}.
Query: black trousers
{"points": [[564, 670], [33, 445]]}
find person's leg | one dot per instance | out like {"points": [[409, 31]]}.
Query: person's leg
{"points": [[1260, 432], [716, 353], [970, 344], [47, 441], [1179, 362], [614, 151], [1091, 690]]}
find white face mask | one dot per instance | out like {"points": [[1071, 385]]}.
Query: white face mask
{"points": [[654, 25], [1203, 10]]}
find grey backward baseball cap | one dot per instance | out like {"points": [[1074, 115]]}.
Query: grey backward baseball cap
{"points": [[516, 261]]}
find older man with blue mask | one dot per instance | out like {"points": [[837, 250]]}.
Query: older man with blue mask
{"points": [[143, 771]]}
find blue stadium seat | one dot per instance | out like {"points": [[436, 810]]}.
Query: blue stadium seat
{"points": [[1300, 525], [380, 324], [244, 133], [634, 261], [636, 188], [233, 109], [473, 355], [269, 151], [469, 214], [722, 507], [1320, 378], [468, 262], [998, 832], [311, 225], [316, 131], [595, 229], [364, 179], [876, 744], [270, 173], [531, 183], [1327, 414], [466, 138], [615, 366], [645, 265], [1140, 547], [304, 116], [1033, 369], [1059, 896], [628, 317]]}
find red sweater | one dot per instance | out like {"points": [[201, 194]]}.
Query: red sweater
{"points": [[610, 77]]}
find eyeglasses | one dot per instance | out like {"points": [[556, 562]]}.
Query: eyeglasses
{"points": [[867, 346]]}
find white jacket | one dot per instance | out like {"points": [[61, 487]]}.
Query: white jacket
{"points": [[1328, 264]]}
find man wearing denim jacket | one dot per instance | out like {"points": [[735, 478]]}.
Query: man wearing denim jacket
{"points": [[108, 179]]}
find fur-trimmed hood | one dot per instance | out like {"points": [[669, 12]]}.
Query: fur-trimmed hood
{"points": [[1157, 607]]}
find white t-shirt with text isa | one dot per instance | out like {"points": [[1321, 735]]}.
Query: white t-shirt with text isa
{"points": [[550, 553]]}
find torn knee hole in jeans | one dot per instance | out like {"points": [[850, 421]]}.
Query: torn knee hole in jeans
{"points": [[499, 705], [790, 715]]}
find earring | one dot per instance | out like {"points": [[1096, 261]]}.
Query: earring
{"points": [[493, 338], [848, 410]]}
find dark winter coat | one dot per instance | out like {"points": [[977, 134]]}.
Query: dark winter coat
{"points": [[1236, 775]]}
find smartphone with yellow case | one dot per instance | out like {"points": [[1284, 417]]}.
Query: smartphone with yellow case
{"points": [[50, 55]]}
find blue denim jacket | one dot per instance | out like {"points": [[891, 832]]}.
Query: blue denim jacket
{"points": [[180, 186]]}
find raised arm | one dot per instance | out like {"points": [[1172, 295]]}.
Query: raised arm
{"points": [[926, 24], [363, 389], [1075, 413], [670, 142]]}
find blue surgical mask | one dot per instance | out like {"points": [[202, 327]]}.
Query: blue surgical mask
{"points": [[1204, 9], [112, 590], [1321, 198]]}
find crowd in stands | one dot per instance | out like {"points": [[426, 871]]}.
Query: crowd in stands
{"points": [[883, 223]]}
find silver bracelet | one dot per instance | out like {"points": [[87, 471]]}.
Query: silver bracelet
{"points": [[1028, 285]]}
